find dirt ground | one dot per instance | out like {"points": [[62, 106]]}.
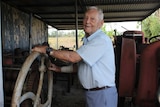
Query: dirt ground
{"points": [[63, 98]]}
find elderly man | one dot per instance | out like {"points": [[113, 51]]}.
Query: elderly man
{"points": [[96, 62]]}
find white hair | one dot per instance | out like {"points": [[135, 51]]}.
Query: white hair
{"points": [[100, 11]]}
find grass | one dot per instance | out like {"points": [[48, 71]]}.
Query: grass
{"points": [[69, 42]]}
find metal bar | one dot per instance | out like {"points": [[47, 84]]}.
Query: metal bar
{"points": [[13, 68], [42, 69], [30, 31], [1, 76], [76, 16]]}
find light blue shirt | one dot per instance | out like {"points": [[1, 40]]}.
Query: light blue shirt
{"points": [[97, 69]]}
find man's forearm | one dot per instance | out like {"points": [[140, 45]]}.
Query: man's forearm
{"points": [[68, 56]]}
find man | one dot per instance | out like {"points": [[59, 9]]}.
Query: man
{"points": [[96, 63]]}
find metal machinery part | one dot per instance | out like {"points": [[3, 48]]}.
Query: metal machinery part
{"points": [[18, 98], [147, 88], [154, 38], [158, 94]]}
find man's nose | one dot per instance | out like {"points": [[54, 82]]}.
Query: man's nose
{"points": [[87, 20]]}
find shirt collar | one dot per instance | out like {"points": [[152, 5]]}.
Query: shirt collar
{"points": [[92, 36]]}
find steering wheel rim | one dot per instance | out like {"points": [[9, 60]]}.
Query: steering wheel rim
{"points": [[17, 98], [157, 37]]}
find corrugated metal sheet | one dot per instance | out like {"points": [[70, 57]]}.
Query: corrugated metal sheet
{"points": [[61, 13], [15, 30]]}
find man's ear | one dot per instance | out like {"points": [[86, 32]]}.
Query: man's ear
{"points": [[101, 23]]}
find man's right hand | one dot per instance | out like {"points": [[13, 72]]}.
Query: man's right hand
{"points": [[40, 49]]}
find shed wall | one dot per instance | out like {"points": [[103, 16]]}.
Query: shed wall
{"points": [[16, 28]]}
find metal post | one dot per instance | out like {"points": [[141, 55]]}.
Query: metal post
{"points": [[1, 76], [76, 19], [30, 31], [57, 38]]}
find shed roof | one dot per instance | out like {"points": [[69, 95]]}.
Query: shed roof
{"points": [[61, 14]]}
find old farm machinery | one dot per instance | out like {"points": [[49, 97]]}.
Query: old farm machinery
{"points": [[137, 74], [29, 75]]}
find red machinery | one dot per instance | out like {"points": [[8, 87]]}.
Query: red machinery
{"points": [[138, 70]]}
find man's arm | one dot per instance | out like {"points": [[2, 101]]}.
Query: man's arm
{"points": [[65, 69], [68, 56]]}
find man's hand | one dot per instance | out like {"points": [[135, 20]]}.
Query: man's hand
{"points": [[40, 49], [53, 67]]}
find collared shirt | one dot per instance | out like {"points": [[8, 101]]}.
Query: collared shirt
{"points": [[97, 69]]}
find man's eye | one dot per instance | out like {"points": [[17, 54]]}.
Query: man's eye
{"points": [[92, 19]]}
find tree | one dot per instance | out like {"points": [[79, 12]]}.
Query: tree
{"points": [[151, 26], [109, 33], [81, 33]]}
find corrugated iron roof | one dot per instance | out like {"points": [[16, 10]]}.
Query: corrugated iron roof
{"points": [[61, 14]]}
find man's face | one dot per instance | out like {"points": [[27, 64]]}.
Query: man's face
{"points": [[91, 22]]}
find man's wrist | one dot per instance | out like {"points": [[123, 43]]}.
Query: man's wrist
{"points": [[49, 50]]}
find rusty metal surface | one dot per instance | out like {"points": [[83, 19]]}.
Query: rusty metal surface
{"points": [[127, 75], [15, 29], [148, 78]]}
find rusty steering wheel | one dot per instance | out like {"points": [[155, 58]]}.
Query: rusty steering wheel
{"points": [[18, 98]]}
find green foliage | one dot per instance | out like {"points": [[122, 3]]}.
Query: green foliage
{"points": [[81, 33], [109, 33], [151, 26], [103, 28]]}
